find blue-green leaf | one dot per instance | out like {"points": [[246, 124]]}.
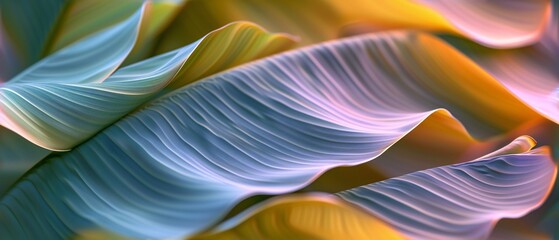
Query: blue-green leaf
{"points": [[179, 164], [461, 201], [58, 113], [90, 60]]}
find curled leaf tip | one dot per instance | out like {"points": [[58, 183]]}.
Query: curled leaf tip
{"points": [[521, 144], [445, 202]]}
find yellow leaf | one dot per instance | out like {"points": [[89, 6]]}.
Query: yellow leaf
{"points": [[310, 216]]}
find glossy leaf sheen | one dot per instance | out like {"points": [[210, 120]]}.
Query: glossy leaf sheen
{"points": [[89, 60], [530, 73], [39, 28], [461, 201], [496, 23], [493, 23], [57, 110], [271, 127]]}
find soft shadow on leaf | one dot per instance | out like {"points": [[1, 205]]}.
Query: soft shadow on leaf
{"points": [[331, 19], [159, 14], [92, 59], [323, 22], [460, 201], [28, 26], [57, 113], [305, 216], [530, 73], [39, 28], [182, 162], [80, 19], [437, 141], [16, 157], [96, 234]]}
